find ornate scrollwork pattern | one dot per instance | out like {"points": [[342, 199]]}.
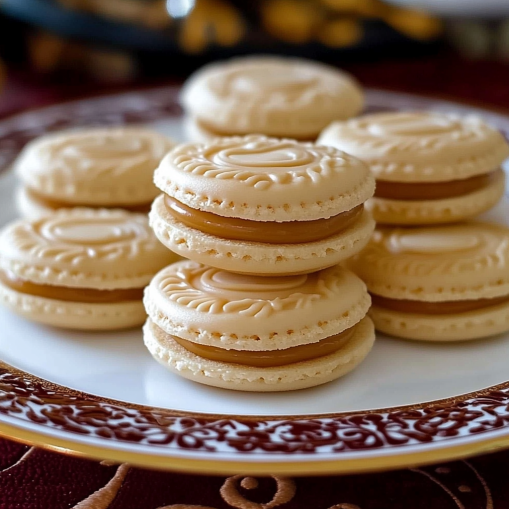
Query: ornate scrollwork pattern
{"points": [[51, 406]]}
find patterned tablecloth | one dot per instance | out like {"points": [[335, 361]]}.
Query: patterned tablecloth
{"points": [[35, 478]]}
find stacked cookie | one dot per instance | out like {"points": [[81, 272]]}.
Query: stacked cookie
{"points": [[432, 281], [274, 96], [262, 305], [430, 168], [80, 268], [79, 261], [93, 168]]}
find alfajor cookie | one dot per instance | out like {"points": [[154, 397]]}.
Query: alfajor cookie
{"points": [[275, 96], [439, 283], [97, 167], [430, 167], [252, 333], [262, 205], [80, 269]]}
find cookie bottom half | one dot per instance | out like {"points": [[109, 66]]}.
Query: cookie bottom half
{"points": [[256, 257], [197, 132], [452, 327], [449, 210], [74, 315], [33, 208], [238, 377]]}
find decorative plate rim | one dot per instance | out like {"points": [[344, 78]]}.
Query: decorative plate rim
{"points": [[341, 442]]}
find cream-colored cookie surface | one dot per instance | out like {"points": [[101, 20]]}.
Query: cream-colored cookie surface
{"points": [[436, 264], [84, 248], [213, 307], [95, 166], [420, 146], [264, 179], [271, 95], [295, 376]]}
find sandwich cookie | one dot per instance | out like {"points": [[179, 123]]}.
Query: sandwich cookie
{"points": [[102, 167], [281, 97], [440, 283], [262, 205], [80, 269], [252, 333], [430, 167]]}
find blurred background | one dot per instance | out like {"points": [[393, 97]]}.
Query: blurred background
{"points": [[53, 50]]}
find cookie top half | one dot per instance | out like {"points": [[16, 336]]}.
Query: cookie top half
{"points": [[420, 146], [95, 166], [234, 311], [84, 248], [443, 263], [264, 179], [271, 95]]}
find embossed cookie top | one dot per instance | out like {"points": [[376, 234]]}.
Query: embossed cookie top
{"points": [[420, 146], [273, 96], [84, 248], [95, 166], [457, 262], [195, 299], [265, 179]]}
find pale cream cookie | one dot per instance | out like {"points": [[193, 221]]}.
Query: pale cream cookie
{"points": [[440, 283], [255, 333], [94, 167], [262, 205], [275, 96], [81, 269], [430, 167]]}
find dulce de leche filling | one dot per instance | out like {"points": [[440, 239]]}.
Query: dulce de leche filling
{"points": [[436, 308], [433, 190], [270, 232], [59, 204], [68, 294], [268, 359]]}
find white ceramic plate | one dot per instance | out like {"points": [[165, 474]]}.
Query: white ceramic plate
{"points": [[101, 394]]}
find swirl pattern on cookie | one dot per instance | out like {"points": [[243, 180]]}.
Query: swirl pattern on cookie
{"points": [[231, 177], [461, 261], [214, 291], [441, 250], [420, 146], [65, 165], [262, 162], [296, 85], [85, 242], [273, 96], [199, 300], [69, 238]]}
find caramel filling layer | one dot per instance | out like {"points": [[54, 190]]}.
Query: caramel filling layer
{"points": [[433, 190], [436, 308], [57, 204], [268, 359], [269, 232], [68, 294]]}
